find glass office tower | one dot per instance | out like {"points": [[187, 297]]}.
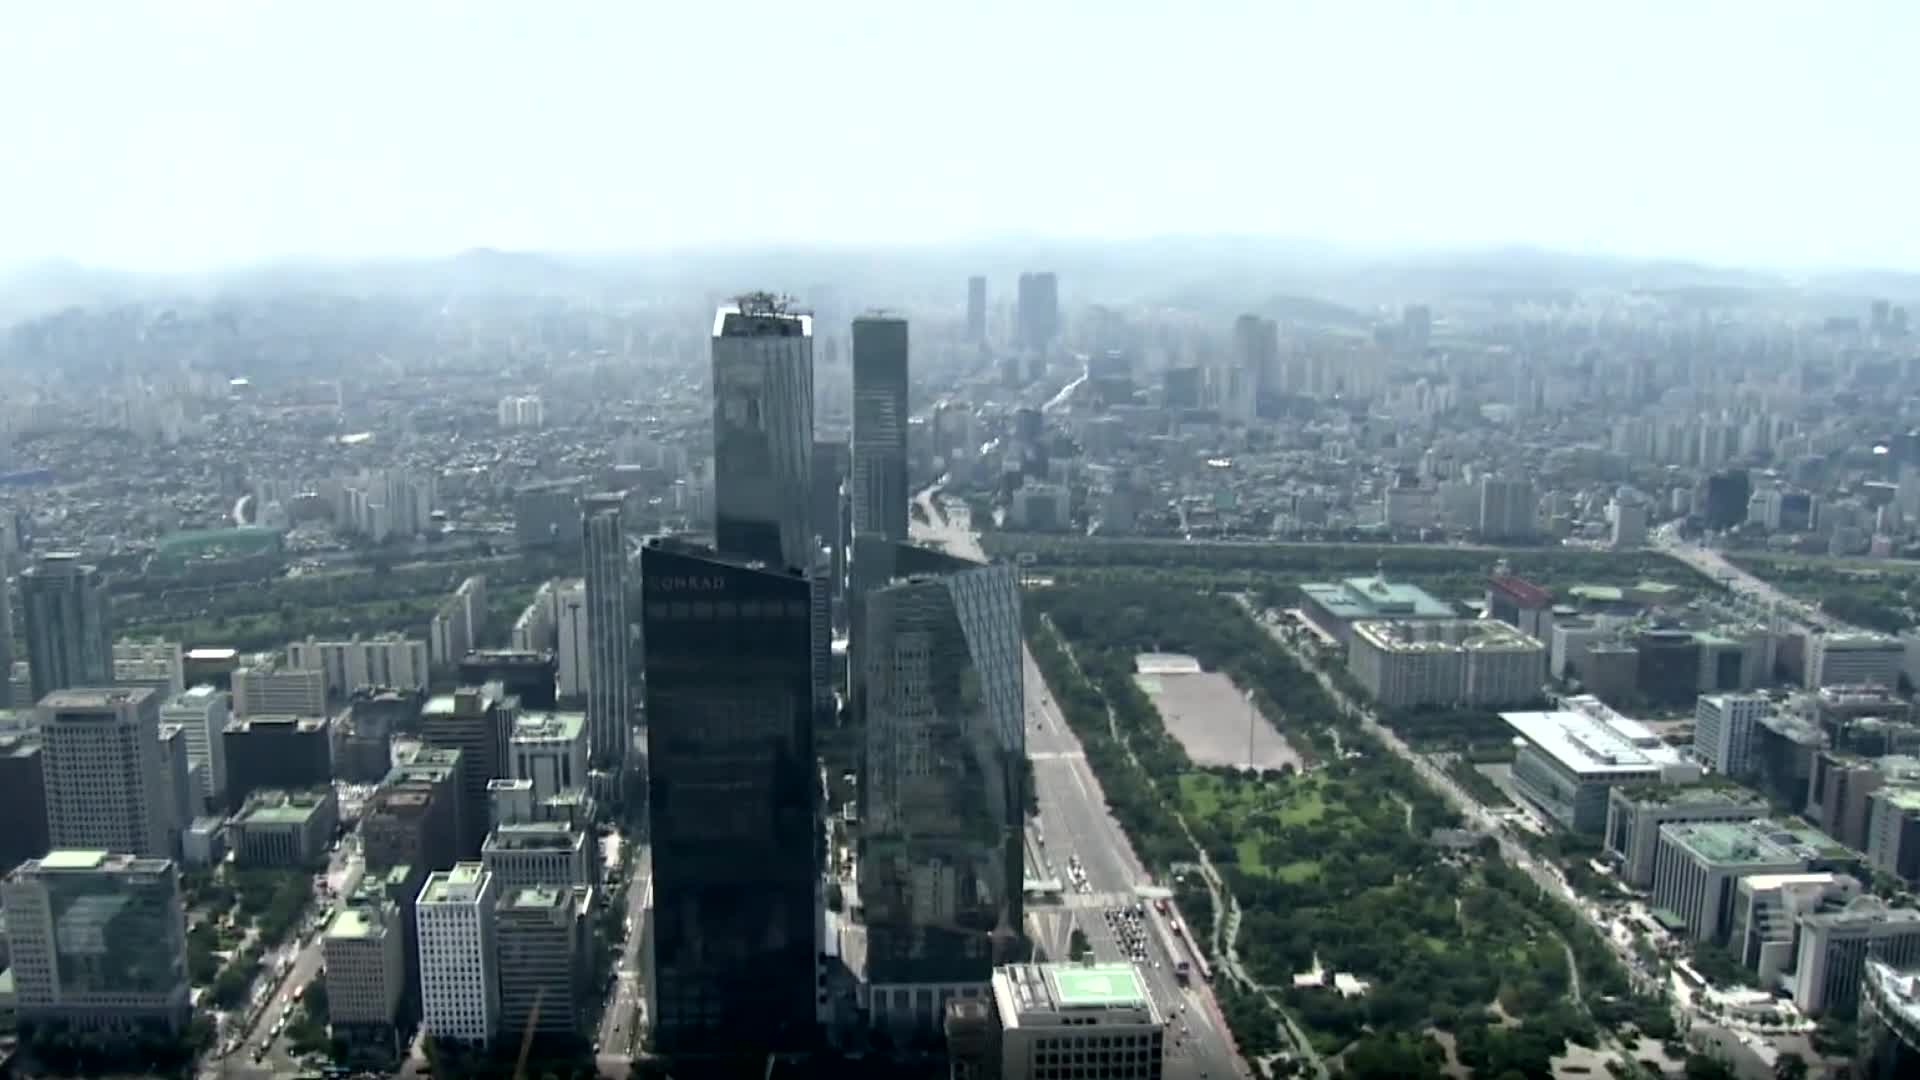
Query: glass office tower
{"points": [[941, 868], [733, 794]]}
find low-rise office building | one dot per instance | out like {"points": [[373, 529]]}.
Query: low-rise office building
{"points": [[97, 941], [1635, 814], [1889, 1022], [1077, 1022], [1853, 659], [1698, 866], [1335, 606], [1767, 908], [282, 828], [1893, 832], [364, 948], [1572, 757], [540, 853], [289, 753], [1477, 662], [1836, 945]]}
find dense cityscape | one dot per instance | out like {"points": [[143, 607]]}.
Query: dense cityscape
{"points": [[515, 665]]}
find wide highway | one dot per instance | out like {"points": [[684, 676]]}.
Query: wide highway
{"points": [[1074, 823]]}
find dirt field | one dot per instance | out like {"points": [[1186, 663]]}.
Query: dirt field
{"points": [[1208, 714]]}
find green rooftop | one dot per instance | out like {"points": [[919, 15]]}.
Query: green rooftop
{"points": [[1601, 594], [1731, 843], [1900, 798], [1376, 598], [280, 808], [1096, 985]]}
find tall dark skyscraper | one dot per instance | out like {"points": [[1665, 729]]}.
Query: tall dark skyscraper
{"points": [[976, 309], [941, 867], [880, 426], [734, 800], [832, 523], [1038, 317], [1727, 496], [763, 432], [6, 641], [609, 694], [69, 637]]}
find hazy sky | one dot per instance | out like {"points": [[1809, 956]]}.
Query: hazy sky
{"points": [[176, 133]]}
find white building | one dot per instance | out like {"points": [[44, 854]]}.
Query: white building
{"points": [[1629, 523], [455, 628], [1634, 817], [459, 994], [1767, 908], [1445, 662], [156, 663], [533, 628], [1723, 730], [202, 714], [572, 647], [1848, 659], [549, 749], [1572, 757], [1077, 1022], [263, 687], [522, 411], [387, 660], [1835, 946]]}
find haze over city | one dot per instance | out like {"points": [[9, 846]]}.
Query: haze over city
{"points": [[1050, 541], [195, 135]]}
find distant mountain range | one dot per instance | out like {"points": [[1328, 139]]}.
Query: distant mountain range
{"points": [[1293, 279]]}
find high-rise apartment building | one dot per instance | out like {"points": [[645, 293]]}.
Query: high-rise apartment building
{"points": [[976, 309], [459, 985], [98, 940], [734, 799], [880, 426], [941, 852], [100, 760], [1038, 315], [609, 688], [763, 432], [573, 646], [69, 634], [387, 660], [265, 686], [1506, 508]]}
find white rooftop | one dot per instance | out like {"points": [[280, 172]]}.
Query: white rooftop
{"points": [[1590, 739]]}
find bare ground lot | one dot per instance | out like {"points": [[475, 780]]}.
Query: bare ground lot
{"points": [[1209, 715]]}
